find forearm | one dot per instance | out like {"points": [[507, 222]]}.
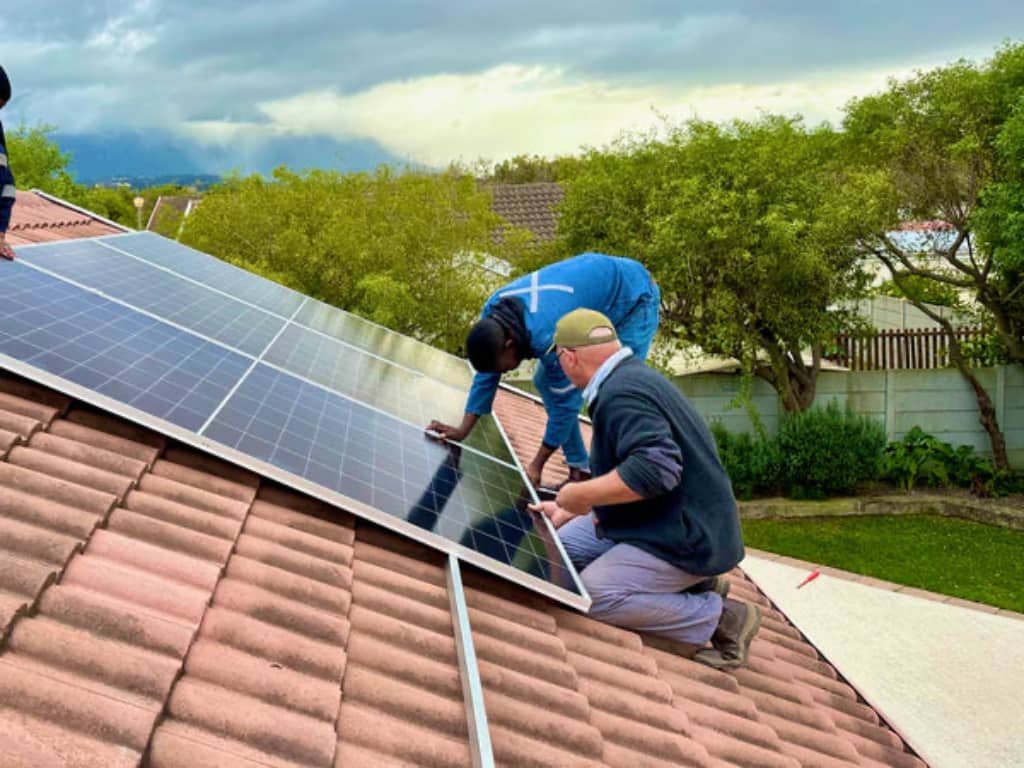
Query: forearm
{"points": [[605, 490], [469, 421]]}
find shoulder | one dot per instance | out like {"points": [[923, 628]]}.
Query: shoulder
{"points": [[630, 379]]}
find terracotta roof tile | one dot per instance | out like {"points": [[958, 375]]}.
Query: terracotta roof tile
{"points": [[211, 618], [40, 219], [524, 420], [529, 206]]}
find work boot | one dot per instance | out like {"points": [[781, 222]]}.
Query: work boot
{"points": [[737, 626], [718, 584]]}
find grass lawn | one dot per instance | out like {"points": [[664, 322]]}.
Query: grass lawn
{"points": [[940, 554]]}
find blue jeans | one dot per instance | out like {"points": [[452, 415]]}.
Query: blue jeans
{"points": [[637, 329], [574, 449], [632, 588]]}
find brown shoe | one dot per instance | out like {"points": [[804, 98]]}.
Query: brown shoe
{"points": [[737, 626]]}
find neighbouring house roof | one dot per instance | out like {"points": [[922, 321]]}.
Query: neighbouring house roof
{"points": [[925, 226], [177, 206], [529, 206], [39, 218], [162, 607]]}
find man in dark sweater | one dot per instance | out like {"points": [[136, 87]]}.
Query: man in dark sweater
{"points": [[658, 519], [7, 192]]}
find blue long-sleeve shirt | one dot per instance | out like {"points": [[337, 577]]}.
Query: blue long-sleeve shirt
{"points": [[608, 284], [7, 189]]}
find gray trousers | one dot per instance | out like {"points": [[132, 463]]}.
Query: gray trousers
{"points": [[634, 589]]}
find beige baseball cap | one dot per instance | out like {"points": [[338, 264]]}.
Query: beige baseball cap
{"points": [[574, 329]]}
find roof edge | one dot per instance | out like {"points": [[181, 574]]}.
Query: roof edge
{"points": [[80, 209]]}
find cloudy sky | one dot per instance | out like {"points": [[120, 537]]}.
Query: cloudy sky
{"points": [[431, 82]]}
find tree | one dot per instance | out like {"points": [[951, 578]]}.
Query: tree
{"points": [[37, 161], [749, 229], [949, 143], [525, 169], [401, 249]]}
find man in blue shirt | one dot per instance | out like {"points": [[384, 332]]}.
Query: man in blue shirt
{"points": [[518, 322], [7, 192]]}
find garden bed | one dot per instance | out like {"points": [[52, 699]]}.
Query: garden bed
{"points": [[1005, 512]]}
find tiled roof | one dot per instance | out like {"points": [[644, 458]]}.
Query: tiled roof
{"points": [[530, 206], [158, 606], [925, 226], [41, 219], [524, 420]]}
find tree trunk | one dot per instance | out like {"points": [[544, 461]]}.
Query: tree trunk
{"points": [[986, 409], [792, 379]]}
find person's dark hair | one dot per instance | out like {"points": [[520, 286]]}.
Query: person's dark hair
{"points": [[484, 344], [5, 86]]}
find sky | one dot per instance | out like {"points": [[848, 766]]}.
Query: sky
{"points": [[241, 82]]}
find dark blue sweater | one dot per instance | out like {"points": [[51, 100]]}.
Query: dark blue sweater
{"points": [[6, 185], [645, 428]]}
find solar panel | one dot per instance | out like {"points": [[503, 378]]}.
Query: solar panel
{"points": [[403, 350], [162, 293], [152, 366], [399, 391], [389, 467], [207, 270], [405, 393], [284, 415], [266, 294]]}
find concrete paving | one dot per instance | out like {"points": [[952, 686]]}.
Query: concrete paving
{"points": [[949, 679]]}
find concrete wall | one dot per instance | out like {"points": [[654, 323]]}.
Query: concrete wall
{"points": [[887, 313], [939, 401]]}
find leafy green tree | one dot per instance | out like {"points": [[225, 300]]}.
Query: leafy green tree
{"points": [[949, 143], [923, 290], [37, 161], [114, 203], [402, 249], [525, 169], [749, 229]]}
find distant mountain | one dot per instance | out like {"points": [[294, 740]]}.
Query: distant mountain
{"points": [[201, 181], [112, 158]]}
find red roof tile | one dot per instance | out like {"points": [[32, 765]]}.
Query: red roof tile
{"points": [[529, 206], [41, 219], [936, 225], [206, 617], [524, 420]]}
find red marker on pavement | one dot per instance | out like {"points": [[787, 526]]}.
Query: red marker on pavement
{"points": [[810, 577]]}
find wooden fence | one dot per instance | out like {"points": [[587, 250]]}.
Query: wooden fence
{"points": [[911, 349]]}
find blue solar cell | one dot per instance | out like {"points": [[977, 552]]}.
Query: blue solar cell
{"points": [[372, 458], [406, 394], [168, 296], [105, 347], [209, 271], [385, 343]]}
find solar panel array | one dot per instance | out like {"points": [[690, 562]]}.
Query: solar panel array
{"points": [[296, 389]]}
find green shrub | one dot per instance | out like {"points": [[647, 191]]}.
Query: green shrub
{"points": [[920, 458], [752, 462], [828, 451]]}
